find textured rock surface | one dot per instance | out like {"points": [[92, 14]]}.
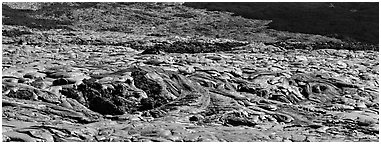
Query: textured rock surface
{"points": [[174, 88]]}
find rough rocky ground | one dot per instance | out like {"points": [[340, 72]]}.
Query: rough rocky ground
{"points": [[96, 85]]}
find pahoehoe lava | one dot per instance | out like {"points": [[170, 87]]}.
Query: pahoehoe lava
{"points": [[142, 72]]}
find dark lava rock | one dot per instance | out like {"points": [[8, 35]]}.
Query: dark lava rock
{"points": [[63, 81], [103, 101], [235, 119], [74, 94], [196, 118], [119, 98], [15, 33], [152, 88], [123, 97], [193, 47], [59, 75], [22, 94], [147, 103], [24, 80], [156, 49], [34, 75], [325, 45], [152, 51]]}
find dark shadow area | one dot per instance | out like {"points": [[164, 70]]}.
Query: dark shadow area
{"points": [[347, 21], [22, 17], [51, 15], [14, 33]]}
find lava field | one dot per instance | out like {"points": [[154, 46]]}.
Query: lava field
{"points": [[164, 72]]}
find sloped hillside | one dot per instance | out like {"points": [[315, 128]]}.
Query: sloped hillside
{"points": [[355, 21]]}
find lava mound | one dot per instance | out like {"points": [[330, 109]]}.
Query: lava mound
{"points": [[193, 47]]}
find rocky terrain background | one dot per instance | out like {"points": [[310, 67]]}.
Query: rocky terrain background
{"points": [[349, 21], [166, 72]]}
